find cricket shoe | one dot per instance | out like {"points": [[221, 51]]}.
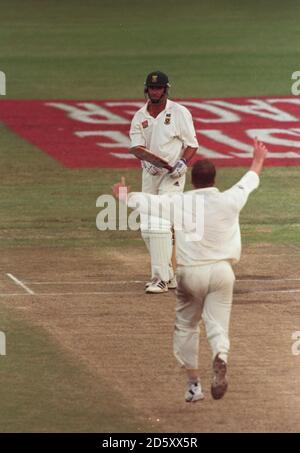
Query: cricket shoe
{"points": [[219, 382], [156, 286], [150, 282], [193, 392], [172, 284]]}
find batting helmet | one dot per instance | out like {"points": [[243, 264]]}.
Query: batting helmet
{"points": [[157, 79]]}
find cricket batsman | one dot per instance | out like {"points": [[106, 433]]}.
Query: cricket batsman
{"points": [[166, 129]]}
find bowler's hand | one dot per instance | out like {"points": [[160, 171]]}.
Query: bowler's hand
{"points": [[120, 190], [259, 154], [260, 150]]}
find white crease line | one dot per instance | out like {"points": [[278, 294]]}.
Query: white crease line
{"points": [[267, 291], [124, 293], [256, 280], [19, 283], [108, 282], [122, 282], [71, 294], [278, 291]]}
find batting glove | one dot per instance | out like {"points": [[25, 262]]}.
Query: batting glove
{"points": [[179, 169], [151, 169]]}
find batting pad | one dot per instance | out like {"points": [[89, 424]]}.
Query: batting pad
{"points": [[160, 252], [146, 237]]}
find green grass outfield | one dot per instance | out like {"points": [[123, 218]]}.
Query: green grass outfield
{"points": [[99, 50]]}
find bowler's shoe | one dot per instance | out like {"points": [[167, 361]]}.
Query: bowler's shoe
{"points": [[219, 382], [193, 392]]}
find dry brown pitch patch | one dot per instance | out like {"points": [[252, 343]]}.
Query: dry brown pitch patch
{"points": [[95, 307]]}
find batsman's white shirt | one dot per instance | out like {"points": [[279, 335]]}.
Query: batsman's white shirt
{"points": [[221, 239], [168, 134]]}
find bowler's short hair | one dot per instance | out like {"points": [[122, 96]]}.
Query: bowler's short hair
{"points": [[203, 173]]}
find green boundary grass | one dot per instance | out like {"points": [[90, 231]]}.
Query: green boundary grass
{"points": [[103, 49]]}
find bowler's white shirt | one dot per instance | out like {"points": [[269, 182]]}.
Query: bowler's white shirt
{"points": [[221, 239], [168, 134]]}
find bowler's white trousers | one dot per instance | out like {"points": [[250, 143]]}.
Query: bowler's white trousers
{"points": [[203, 291]]}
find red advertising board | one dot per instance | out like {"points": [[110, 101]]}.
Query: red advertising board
{"points": [[95, 133]]}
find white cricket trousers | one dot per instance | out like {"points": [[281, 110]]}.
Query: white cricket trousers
{"points": [[203, 291]]}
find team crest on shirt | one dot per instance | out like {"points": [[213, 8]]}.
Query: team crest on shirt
{"points": [[145, 124], [168, 118]]}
